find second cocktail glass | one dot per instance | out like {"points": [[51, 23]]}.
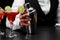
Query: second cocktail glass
{"points": [[11, 17]]}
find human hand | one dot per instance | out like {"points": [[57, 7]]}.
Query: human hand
{"points": [[24, 20], [1, 9]]}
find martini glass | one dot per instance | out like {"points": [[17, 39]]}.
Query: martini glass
{"points": [[1, 17], [11, 17]]}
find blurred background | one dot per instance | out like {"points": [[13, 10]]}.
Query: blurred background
{"points": [[41, 33]]}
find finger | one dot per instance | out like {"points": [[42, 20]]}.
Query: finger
{"points": [[25, 20], [24, 24], [24, 15], [1, 9]]}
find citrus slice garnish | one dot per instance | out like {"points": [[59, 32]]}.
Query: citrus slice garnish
{"points": [[21, 9], [7, 8]]}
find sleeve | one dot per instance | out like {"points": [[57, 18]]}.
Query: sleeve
{"points": [[16, 24], [7, 23], [16, 4]]}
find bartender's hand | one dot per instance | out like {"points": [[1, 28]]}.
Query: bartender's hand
{"points": [[24, 20], [1, 9]]}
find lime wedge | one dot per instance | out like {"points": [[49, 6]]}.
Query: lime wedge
{"points": [[21, 9], [7, 8]]}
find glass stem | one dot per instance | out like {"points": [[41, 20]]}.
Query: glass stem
{"points": [[11, 28]]}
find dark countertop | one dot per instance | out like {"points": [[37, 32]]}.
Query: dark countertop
{"points": [[42, 34]]}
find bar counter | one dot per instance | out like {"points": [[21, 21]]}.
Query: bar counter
{"points": [[49, 33]]}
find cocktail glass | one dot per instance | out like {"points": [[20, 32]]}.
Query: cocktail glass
{"points": [[11, 17]]}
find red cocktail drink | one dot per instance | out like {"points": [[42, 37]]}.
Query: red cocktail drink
{"points": [[11, 16], [1, 15]]}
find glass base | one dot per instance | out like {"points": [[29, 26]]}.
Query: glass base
{"points": [[2, 33], [11, 35]]}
